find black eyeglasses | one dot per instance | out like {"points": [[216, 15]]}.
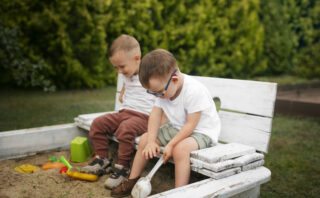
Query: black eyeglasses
{"points": [[165, 89]]}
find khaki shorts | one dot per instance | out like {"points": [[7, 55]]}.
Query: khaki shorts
{"points": [[166, 132]]}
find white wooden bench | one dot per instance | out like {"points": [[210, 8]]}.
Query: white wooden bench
{"points": [[246, 112]]}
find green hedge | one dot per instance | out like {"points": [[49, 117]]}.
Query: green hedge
{"points": [[68, 35], [234, 39]]}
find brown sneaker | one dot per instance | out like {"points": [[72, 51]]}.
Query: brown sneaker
{"points": [[119, 173], [124, 189]]}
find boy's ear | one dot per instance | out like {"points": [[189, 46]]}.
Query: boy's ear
{"points": [[137, 57]]}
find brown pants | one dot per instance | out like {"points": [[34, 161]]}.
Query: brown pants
{"points": [[126, 124]]}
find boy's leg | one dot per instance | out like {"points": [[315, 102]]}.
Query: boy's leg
{"points": [[181, 157], [133, 125], [100, 127], [139, 164]]}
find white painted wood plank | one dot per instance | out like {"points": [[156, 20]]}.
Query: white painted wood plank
{"points": [[222, 152], [245, 129], [225, 187], [251, 193], [91, 116], [217, 175], [215, 167], [252, 165], [24, 142], [82, 125], [85, 120], [246, 96], [231, 163], [246, 159], [261, 124]]}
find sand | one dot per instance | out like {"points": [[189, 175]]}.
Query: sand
{"points": [[51, 184]]}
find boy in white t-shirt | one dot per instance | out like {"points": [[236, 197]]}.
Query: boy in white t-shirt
{"points": [[193, 122], [130, 122]]}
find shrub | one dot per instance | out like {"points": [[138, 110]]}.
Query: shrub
{"points": [[16, 67]]}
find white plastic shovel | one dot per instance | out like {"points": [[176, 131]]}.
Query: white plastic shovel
{"points": [[143, 187]]}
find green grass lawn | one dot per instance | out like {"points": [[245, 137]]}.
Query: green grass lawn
{"points": [[29, 108], [293, 158]]}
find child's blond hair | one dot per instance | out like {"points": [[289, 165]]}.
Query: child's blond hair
{"points": [[125, 43]]}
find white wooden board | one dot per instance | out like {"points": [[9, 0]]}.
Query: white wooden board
{"points": [[215, 167], [24, 142], [252, 165], [217, 175], [91, 116], [231, 163], [222, 152], [245, 129], [246, 159], [246, 96], [221, 188]]}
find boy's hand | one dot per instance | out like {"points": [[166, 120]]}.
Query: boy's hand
{"points": [[121, 99], [167, 153], [151, 150], [121, 94]]}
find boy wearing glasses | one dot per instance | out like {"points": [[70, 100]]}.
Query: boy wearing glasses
{"points": [[130, 122], [193, 119]]}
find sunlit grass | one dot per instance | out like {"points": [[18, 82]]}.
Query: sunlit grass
{"points": [[293, 158], [29, 108]]}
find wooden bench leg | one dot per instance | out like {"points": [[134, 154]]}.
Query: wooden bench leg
{"points": [[251, 193]]}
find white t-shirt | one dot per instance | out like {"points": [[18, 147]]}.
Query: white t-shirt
{"points": [[194, 97], [135, 97]]}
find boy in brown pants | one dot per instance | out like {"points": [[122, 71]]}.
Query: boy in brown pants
{"points": [[130, 122]]}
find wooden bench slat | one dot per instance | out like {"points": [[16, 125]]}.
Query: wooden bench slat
{"points": [[91, 116], [217, 175], [225, 187], [222, 152], [246, 96], [252, 165], [231, 163], [245, 129]]}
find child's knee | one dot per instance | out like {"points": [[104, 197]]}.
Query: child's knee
{"points": [[179, 153], [95, 126]]}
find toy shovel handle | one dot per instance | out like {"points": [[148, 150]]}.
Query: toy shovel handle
{"points": [[155, 168]]}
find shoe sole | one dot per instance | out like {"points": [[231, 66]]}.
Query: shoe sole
{"points": [[103, 171]]}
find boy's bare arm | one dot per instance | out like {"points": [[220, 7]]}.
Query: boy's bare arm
{"points": [[163, 119], [152, 147], [186, 130], [121, 93]]}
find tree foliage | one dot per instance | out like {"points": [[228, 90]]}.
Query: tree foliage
{"points": [[303, 17], [67, 41], [16, 66]]}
